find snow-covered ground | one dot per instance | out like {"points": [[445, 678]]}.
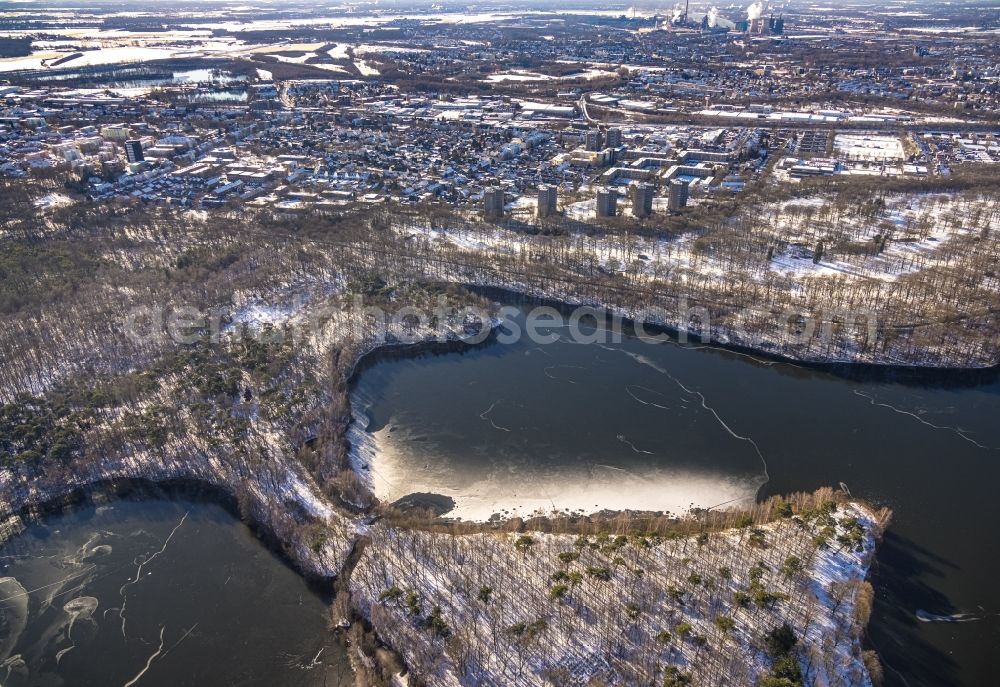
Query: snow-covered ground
{"points": [[921, 226], [870, 147], [918, 227], [529, 76], [568, 604], [53, 200], [774, 249], [365, 68]]}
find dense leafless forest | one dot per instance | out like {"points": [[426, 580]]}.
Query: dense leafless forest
{"points": [[246, 390], [858, 273], [107, 387], [617, 605]]}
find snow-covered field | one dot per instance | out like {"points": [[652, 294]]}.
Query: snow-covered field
{"points": [[529, 76], [918, 228], [53, 200], [870, 147]]}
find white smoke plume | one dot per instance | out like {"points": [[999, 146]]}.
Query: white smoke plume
{"points": [[755, 10], [678, 14], [713, 17]]}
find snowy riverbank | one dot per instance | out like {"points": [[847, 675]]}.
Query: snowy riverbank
{"points": [[283, 501], [792, 313]]}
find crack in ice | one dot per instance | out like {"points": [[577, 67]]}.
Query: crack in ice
{"points": [[628, 390], [768, 363], [621, 438], [643, 360], [149, 661], [631, 474], [559, 379], [955, 430], [183, 637], [315, 662], [138, 574], [485, 416], [80, 573]]}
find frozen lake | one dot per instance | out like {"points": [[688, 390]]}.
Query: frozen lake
{"points": [[158, 593], [510, 428]]}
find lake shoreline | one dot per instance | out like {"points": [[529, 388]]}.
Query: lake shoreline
{"points": [[140, 489], [894, 371], [366, 451], [834, 582], [283, 509], [23, 496]]}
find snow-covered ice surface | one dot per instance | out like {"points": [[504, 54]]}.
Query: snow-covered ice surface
{"points": [[382, 461]]}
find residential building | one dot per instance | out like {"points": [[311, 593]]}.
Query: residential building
{"points": [[642, 199], [678, 195], [133, 151], [607, 202], [547, 196], [493, 202]]}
